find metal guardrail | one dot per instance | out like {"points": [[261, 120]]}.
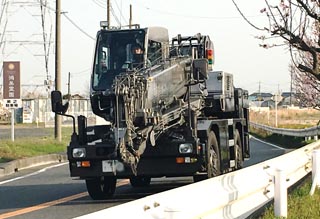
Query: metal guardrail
{"points": [[308, 132], [234, 195]]}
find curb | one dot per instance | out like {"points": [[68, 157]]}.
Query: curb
{"points": [[20, 164]]}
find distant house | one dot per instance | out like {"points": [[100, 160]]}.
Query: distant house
{"points": [[79, 104], [260, 100], [260, 96], [268, 103], [287, 94], [288, 99]]}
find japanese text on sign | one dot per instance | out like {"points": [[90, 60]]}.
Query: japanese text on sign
{"points": [[11, 80]]}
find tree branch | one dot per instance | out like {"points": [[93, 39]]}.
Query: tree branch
{"points": [[245, 18], [309, 12]]}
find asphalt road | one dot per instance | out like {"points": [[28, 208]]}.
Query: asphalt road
{"points": [[50, 192]]}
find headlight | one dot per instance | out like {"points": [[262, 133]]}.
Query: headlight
{"points": [[79, 152], [185, 148]]}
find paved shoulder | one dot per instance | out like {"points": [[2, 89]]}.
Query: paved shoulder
{"points": [[16, 165]]}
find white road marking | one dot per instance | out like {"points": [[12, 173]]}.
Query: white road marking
{"points": [[32, 174], [273, 145]]}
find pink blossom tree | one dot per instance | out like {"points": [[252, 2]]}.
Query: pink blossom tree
{"points": [[297, 22]]}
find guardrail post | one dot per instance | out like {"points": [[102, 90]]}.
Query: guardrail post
{"points": [[316, 138], [280, 194], [315, 170]]}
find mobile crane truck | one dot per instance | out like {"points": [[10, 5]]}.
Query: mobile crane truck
{"points": [[168, 113]]}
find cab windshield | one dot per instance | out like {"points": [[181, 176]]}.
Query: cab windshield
{"points": [[116, 52]]}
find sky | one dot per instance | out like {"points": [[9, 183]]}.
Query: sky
{"points": [[237, 49]]}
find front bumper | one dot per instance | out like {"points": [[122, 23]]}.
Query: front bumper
{"points": [[158, 161]]}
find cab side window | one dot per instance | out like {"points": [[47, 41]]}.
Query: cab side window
{"points": [[154, 51]]}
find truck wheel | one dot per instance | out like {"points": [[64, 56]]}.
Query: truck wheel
{"points": [[101, 187], [140, 181], [212, 164], [238, 150], [213, 156]]}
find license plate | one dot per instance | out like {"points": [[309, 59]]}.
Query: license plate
{"points": [[108, 166]]}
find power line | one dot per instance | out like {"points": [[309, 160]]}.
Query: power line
{"points": [[79, 28], [5, 5], [120, 11], [81, 72], [4, 10], [101, 5], [195, 16], [68, 18], [245, 18], [115, 16], [46, 6]]}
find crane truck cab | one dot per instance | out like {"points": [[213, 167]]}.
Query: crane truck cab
{"points": [[118, 51]]}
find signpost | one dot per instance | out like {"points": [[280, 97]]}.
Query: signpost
{"points": [[11, 89]]}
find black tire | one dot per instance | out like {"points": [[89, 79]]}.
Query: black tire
{"points": [[238, 151], [102, 187], [213, 162], [140, 181]]}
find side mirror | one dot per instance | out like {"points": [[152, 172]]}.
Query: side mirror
{"points": [[200, 69], [56, 103]]}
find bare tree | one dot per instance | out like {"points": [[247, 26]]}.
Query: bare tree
{"points": [[296, 22]]}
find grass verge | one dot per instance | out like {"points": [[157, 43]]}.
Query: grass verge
{"points": [[30, 146], [300, 203]]}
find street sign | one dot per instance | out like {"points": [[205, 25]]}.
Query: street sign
{"points": [[11, 84], [11, 89], [12, 103]]}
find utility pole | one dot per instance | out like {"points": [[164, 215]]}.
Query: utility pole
{"points": [[130, 18], [108, 14], [57, 125], [291, 88], [259, 92], [276, 109], [69, 92], [277, 97]]}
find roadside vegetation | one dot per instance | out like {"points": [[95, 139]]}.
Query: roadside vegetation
{"points": [[300, 203], [33, 146], [287, 118]]}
